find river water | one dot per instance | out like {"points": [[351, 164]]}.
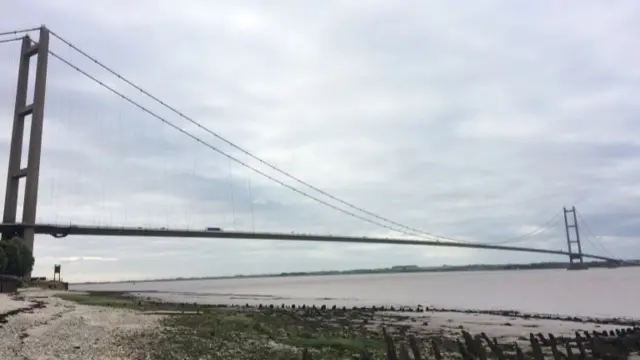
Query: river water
{"points": [[594, 292]]}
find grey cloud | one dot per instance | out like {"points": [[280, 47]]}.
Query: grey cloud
{"points": [[474, 121]]}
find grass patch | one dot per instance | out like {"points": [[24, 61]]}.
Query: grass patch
{"points": [[123, 300], [214, 332], [236, 333], [260, 334], [118, 300]]}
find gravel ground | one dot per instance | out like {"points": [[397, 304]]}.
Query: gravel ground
{"points": [[65, 330], [8, 304]]}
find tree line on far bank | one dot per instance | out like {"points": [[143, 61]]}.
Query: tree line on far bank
{"points": [[15, 258]]}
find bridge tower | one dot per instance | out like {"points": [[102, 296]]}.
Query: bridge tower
{"points": [[22, 112], [573, 240]]}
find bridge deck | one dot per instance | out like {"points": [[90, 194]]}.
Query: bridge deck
{"points": [[65, 230]]}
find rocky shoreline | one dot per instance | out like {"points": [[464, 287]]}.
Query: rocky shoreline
{"points": [[35, 324], [45, 324]]}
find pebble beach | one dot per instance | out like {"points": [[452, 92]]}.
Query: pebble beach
{"points": [[39, 324]]}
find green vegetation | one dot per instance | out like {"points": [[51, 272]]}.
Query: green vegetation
{"points": [[3, 260], [15, 258], [213, 332], [261, 334], [119, 300]]}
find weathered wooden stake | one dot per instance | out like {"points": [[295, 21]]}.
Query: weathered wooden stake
{"points": [[414, 348], [535, 346], [519, 354], [404, 353], [436, 349], [391, 347]]}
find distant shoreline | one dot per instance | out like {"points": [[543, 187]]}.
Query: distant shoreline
{"points": [[391, 270]]}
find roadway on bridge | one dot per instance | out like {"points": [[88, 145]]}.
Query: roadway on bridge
{"points": [[87, 230]]}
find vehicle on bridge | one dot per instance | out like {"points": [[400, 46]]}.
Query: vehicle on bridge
{"points": [[213, 229]]}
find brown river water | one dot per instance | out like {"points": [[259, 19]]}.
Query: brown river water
{"points": [[594, 292]]}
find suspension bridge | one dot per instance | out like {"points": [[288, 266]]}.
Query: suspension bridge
{"points": [[30, 225]]}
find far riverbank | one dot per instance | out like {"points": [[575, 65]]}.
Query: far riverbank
{"points": [[392, 270]]}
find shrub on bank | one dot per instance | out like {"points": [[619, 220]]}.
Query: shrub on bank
{"points": [[3, 261], [15, 258]]}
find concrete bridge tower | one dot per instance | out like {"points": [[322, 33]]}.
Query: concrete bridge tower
{"points": [[573, 240], [22, 112]]}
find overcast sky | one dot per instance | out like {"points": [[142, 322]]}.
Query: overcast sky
{"points": [[473, 120]]}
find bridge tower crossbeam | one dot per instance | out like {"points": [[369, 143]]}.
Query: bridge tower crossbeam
{"points": [[22, 111]]}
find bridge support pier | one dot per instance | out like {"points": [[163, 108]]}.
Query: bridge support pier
{"points": [[576, 261], [22, 112]]}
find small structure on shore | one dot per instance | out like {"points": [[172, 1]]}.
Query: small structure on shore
{"points": [[9, 284], [56, 270]]}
